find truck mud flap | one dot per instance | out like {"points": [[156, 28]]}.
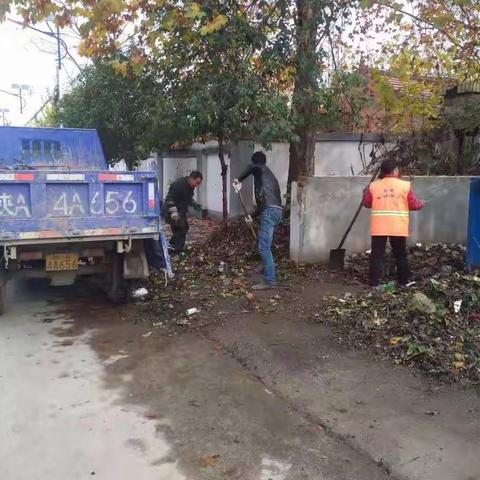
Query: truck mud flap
{"points": [[135, 265]]}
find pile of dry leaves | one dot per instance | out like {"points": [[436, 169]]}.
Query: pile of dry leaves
{"points": [[211, 277], [433, 325]]}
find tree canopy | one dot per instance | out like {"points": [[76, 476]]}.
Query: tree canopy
{"points": [[232, 67], [115, 105]]}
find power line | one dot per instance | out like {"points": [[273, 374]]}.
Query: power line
{"points": [[9, 93], [59, 43], [51, 34]]}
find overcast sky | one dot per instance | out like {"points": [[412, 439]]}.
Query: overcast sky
{"points": [[25, 59]]}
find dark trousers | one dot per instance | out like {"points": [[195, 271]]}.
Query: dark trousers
{"points": [[154, 253], [399, 249], [179, 233]]}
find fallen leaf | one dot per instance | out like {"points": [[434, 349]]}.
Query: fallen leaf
{"points": [[209, 461]]}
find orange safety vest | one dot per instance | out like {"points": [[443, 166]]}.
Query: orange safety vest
{"points": [[390, 212]]}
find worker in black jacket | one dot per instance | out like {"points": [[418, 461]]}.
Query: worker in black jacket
{"points": [[179, 198], [269, 208]]}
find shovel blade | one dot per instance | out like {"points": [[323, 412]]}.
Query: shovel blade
{"points": [[337, 259]]}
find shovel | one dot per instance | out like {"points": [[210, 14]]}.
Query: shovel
{"points": [[245, 211], [337, 256]]}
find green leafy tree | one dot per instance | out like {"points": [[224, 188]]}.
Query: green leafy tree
{"points": [[115, 105], [218, 78]]}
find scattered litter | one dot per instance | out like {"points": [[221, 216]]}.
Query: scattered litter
{"points": [[145, 335], [457, 305], [115, 358], [191, 311], [140, 293], [222, 267], [432, 413]]}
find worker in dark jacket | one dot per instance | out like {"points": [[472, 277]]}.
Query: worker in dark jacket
{"points": [[179, 198], [390, 200], [269, 208]]}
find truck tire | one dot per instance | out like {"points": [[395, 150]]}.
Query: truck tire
{"points": [[116, 285]]}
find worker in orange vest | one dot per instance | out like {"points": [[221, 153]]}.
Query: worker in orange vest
{"points": [[390, 200]]}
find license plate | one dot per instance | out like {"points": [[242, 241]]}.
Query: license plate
{"points": [[61, 261]]}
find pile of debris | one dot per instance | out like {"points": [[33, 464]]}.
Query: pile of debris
{"points": [[425, 261], [210, 277], [433, 325]]}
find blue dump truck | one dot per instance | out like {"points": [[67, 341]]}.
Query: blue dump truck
{"points": [[64, 214]]}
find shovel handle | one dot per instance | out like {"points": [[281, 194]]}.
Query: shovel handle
{"points": [[357, 213], [345, 235], [245, 211]]}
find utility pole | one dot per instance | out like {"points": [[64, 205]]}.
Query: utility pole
{"points": [[21, 88], [56, 97], [3, 111]]}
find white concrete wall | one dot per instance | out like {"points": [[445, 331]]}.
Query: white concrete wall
{"points": [[174, 168], [340, 158], [213, 183], [322, 208], [335, 155], [147, 165], [120, 166], [332, 158]]}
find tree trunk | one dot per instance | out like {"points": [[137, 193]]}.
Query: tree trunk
{"points": [[460, 170], [224, 171], [302, 149]]}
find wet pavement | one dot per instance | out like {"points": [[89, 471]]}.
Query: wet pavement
{"points": [[58, 420], [86, 394]]}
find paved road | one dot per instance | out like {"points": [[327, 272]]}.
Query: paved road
{"points": [[86, 394], [58, 421]]}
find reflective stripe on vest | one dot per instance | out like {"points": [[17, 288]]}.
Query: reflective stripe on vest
{"points": [[390, 213]]}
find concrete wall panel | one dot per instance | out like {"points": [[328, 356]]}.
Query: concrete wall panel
{"points": [[322, 208]]}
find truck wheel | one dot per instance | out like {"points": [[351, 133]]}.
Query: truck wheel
{"points": [[3, 294], [116, 286]]}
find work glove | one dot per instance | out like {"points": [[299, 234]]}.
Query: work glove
{"points": [[197, 207], [173, 214], [237, 185], [248, 220]]}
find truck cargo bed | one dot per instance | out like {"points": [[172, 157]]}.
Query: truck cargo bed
{"points": [[48, 206]]}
